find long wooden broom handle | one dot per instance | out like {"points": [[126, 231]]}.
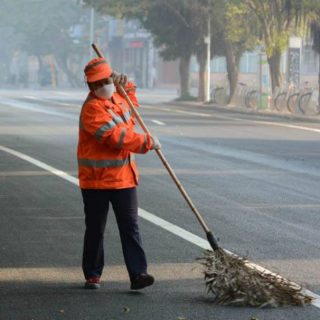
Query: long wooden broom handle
{"points": [[159, 152]]}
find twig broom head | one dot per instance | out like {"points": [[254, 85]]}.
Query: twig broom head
{"points": [[235, 282]]}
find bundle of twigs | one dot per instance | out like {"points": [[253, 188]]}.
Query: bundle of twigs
{"points": [[235, 282]]}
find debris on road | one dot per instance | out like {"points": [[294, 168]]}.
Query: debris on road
{"points": [[126, 309]]}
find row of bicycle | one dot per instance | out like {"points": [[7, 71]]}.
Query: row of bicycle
{"points": [[303, 100], [286, 99]]}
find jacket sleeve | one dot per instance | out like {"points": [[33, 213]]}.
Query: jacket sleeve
{"points": [[108, 128], [130, 89]]}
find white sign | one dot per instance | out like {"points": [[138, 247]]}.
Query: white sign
{"points": [[295, 42]]}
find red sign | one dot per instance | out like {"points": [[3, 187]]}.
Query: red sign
{"points": [[136, 44]]}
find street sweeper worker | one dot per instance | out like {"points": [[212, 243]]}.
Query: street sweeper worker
{"points": [[108, 172]]}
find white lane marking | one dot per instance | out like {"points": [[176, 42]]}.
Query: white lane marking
{"points": [[35, 108], [67, 104], [279, 124], [182, 233], [41, 165], [52, 101], [179, 111], [158, 122], [30, 107], [65, 93], [32, 97]]}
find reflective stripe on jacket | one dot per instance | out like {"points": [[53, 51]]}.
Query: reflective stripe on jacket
{"points": [[107, 141]]}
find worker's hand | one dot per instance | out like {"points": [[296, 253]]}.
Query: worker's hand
{"points": [[155, 143], [120, 80]]}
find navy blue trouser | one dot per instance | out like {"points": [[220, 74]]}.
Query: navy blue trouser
{"points": [[125, 206]]}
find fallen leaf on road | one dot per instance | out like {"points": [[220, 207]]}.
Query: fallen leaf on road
{"points": [[62, 311], [182, 318], [254, 318], [126, 310]]}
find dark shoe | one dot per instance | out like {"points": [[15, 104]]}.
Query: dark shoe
{"points": [[92, 283], [142, 281]]}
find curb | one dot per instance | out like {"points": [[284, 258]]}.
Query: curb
{"points": [[263, 113]]}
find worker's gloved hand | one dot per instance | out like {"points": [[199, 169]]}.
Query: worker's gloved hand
{"points": [[119, 79], [155, 143]]}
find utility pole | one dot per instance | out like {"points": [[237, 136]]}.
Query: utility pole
{"points": [[91, 33], [208, 42]]}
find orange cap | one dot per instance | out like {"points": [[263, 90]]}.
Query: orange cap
{"points": [[97, 69]]}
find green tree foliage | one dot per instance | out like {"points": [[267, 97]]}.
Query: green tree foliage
{"points": [[169, 23], [237, 31], [42, 27], [181, 27], [315, 33], [173, 33], [277, 19]]}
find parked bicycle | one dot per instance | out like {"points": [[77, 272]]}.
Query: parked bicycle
{"points": [[293, 98], [214, 94], [309, 102], [279, 101], [252, 99], [300, 98]]}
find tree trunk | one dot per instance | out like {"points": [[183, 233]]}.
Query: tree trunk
{"points": [[202, 59], [40, 68], [184, 71], [275, 70], [232, 68], [62, 62]]}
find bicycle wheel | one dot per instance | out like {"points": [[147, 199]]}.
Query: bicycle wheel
{"points": [[212, 93], [313, 108], [277, 99], [292, 100], [215, 95], [253, 100], [304, 101], [248, 99]]}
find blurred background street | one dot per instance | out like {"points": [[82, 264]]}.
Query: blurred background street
{"points": [[231, 89]]}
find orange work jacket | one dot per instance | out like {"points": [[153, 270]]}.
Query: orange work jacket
{"points": [[107, 143]]}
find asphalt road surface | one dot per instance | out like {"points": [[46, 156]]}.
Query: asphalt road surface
{"points": [[254, 179]]}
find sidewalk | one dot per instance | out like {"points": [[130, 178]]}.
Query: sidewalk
{"points": [[264, 113]]}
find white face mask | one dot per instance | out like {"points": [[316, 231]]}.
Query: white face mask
{"points": [[105, 92]]}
